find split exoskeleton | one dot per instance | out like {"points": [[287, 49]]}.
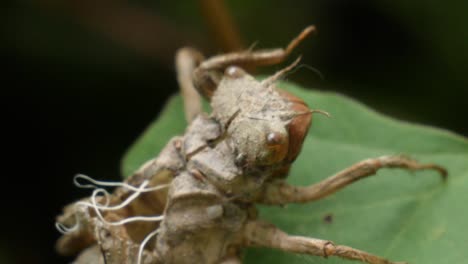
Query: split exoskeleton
{"points": [[195, 202]]}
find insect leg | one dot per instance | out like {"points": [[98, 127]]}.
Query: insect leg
{"points": [[281, 193], [187, 59], [91, 254], [209, 73], [117, 247], [263, 234], [254, 58]]}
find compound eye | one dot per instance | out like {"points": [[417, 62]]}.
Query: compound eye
{"points": [[234, 72], [274, 139]]}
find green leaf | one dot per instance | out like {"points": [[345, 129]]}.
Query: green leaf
{"points": [[403, 216]]}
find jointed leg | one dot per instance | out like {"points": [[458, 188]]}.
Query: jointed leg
{"points": [[187, 59], [117, 246], [254, 58], [208, 74], [262, 234], [92, 254], [196, 74], [282, 193]]}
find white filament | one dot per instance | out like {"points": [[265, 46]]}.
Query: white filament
{"points": [[143, 243], [65, 230], [97, 207], [105, 205], [96, 183], [121, 205]]}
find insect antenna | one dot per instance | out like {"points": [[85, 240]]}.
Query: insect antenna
{"points": [[325, 113], [291, 116], [279, 74]]}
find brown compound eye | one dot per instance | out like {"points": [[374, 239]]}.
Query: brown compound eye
{"points": [[298, 126], [234, 72]]}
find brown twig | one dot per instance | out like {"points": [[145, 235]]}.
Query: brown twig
{"points": [[222, 25]]}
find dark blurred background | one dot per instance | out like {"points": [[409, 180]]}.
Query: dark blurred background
{"points": [[83, 78]]}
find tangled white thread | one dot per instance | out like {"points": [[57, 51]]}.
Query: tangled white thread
{"points": [[105, 206]]}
